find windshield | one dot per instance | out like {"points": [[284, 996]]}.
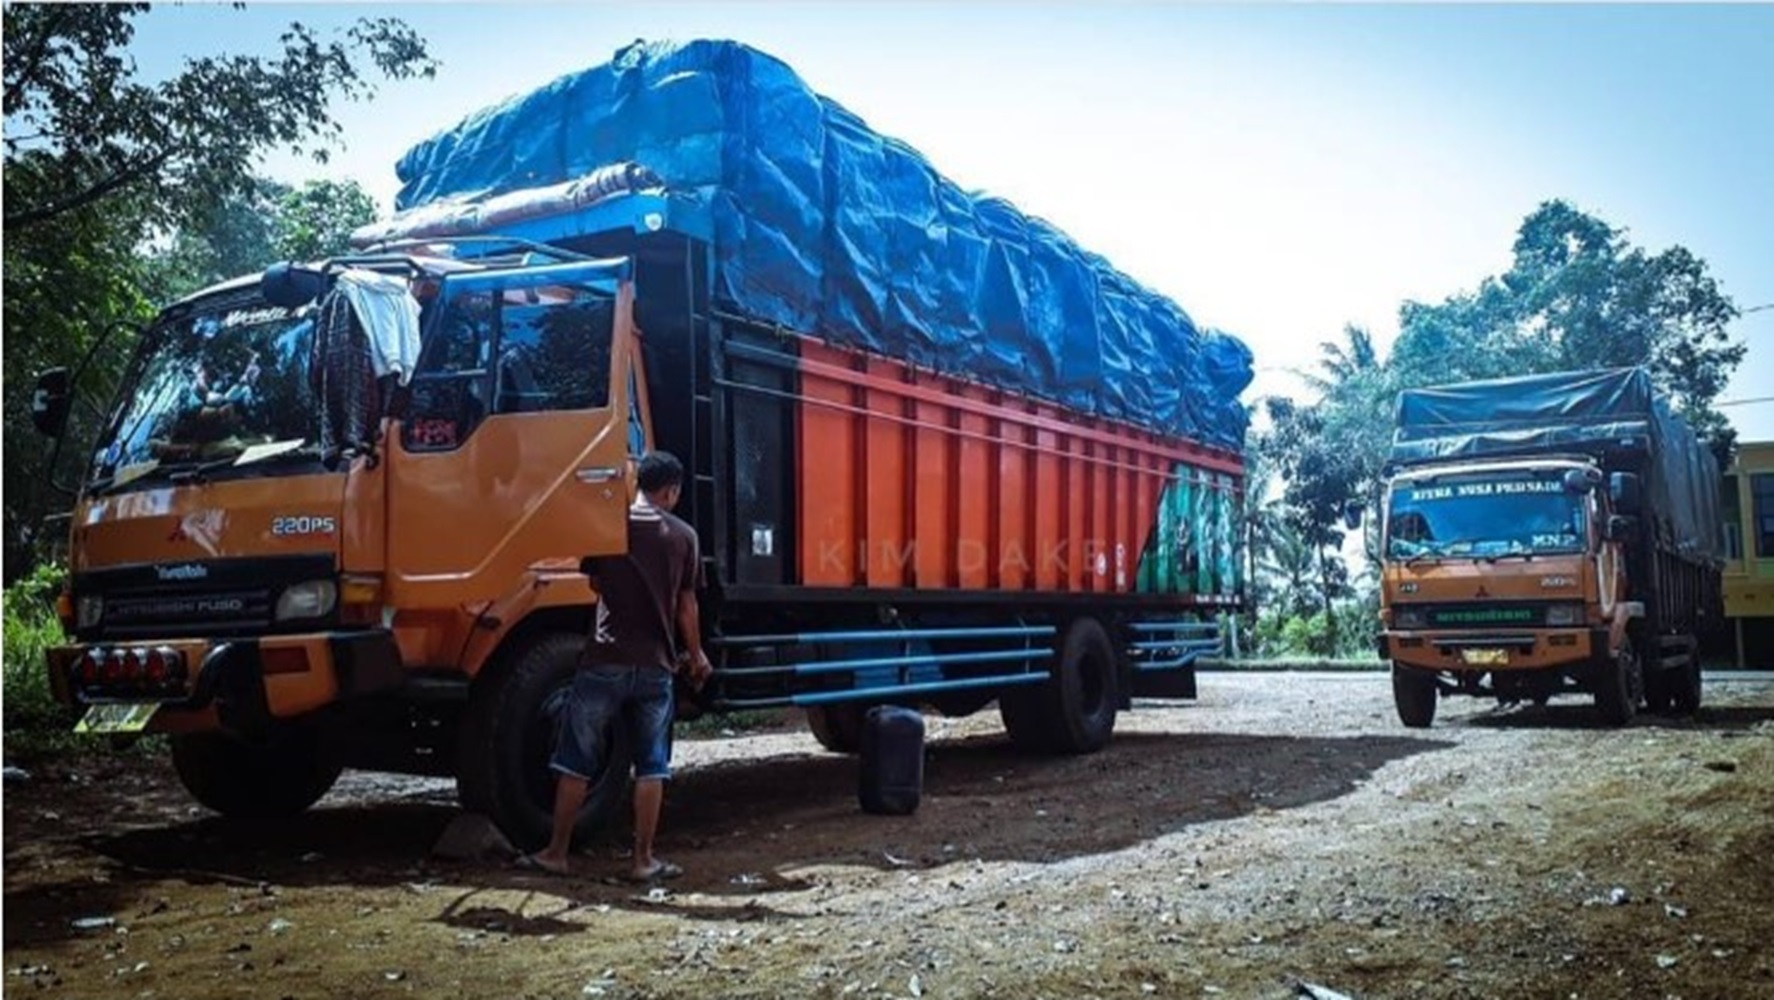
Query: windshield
{"points": [[226, 382], [1484, 516]]}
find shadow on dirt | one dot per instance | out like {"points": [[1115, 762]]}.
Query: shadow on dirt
{"points": [[1577, 715], [747, 829]]}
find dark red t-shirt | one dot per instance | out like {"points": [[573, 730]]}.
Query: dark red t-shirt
{"points": [[635, 621]]}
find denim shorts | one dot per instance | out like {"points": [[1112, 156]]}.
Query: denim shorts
{"points": [[638, 697]]}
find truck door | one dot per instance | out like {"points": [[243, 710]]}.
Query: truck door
{"points": [[513, 447]]}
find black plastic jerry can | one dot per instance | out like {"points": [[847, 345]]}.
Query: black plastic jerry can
{"points": [[892, 761]]}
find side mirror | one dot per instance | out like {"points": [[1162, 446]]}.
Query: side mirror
{"points": [[52, 401], [1623, 491], [284, 284], [1352, 514], [1580, 480], [1621, 528]]}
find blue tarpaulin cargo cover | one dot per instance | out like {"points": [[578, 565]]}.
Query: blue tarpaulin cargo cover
{"points": [[1616, 416], [822, 225]]}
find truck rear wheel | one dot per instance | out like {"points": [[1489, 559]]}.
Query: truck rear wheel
{"points": [[509, 735], [1684, 687], [1618, 685], [1074, 711], [242, 779], [1659, 691], [838, 728], [1414, 695]]}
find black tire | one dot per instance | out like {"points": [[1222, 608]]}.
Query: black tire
{"points": [[838, 728], [508, 736], [1414, 694], [1074, 711], [274, 779], [1619, 683], [1660, 688], [1685, 687]]}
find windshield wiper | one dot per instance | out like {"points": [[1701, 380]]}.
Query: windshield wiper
{"points": [[201, 471], [197, 472], [1439, 550]]}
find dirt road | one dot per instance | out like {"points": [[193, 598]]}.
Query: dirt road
{"points": [[1282, 829]]}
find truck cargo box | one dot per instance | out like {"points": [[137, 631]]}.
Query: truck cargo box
{"points": [[1616, 417], [826, 228]]}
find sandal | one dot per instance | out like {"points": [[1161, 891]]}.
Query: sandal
{"points": [[533, 863], [659, 871]]}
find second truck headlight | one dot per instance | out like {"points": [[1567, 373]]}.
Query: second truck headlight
{"points": [[1408, 617], [311, 599], [1564, 615]]}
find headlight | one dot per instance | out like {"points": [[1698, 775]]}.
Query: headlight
{"points": [[307, 600], [1408, 618], [88, 611], [1561, 615]]}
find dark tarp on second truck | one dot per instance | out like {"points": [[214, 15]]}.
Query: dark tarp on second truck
{"points": [[1616, 416], [823, 226]]}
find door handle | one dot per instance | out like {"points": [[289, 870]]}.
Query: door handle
{"points": [[597, 474]]}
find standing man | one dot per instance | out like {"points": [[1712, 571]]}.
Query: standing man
{"points": [[625, 672]]}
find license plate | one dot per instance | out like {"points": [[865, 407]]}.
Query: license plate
{"points": [[1484, 657], [116, 717]]}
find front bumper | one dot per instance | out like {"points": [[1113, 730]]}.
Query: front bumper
{"points": [[245, 685], [1484, 652]]}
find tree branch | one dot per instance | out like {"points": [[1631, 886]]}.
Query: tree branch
{"points": [[33, 59], [128, 175]]}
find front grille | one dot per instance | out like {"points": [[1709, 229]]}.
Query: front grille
{"points": [[1510, 614], [219, 597], [198, 611]]}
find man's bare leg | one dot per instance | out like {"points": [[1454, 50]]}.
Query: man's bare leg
{"points": [[649, 793], [569, 795]]}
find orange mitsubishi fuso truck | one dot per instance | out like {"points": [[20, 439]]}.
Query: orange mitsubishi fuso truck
{"points": [[1548, 534], [337, 513]]}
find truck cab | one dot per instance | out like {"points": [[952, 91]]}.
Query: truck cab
{"points": [[309, 523], [1510, 571]]}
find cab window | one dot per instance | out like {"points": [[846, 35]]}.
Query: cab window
{"points": [[554, 351], [509, 346]]}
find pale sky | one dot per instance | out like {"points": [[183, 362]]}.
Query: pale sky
{"points": [[1279, 171]]}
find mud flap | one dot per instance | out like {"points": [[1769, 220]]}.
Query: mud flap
{"points": [[1179, 683]]}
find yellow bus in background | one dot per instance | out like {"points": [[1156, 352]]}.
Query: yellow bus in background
{"points": [[1748, 501]]}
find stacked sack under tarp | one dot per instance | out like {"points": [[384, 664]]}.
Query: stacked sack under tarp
{"points": [[823, 225]]}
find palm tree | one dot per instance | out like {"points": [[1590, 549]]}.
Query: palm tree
{"points": [[1343, 362], [1291, 558]]}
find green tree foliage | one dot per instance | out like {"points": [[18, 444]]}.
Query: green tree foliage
{"points": [[316, 219], [33, 718], [72, 98], [1578, 295], [231, 236], [101, 166], [246, 232]]}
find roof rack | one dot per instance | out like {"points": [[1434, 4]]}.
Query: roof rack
{"points": [[510, 244]]}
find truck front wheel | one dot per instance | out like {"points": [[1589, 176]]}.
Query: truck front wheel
{"points": [[1414, 695], [1619, 683], [509, 735], [271, 779], [838, 728], [1074, 711]]}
